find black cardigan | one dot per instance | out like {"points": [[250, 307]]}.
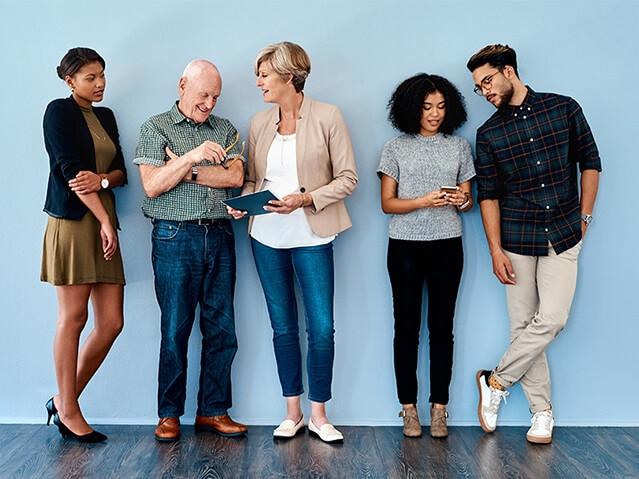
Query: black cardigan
{"points": [[70, 147]]}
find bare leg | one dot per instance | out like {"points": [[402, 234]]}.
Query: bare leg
{"points": [[72, 317], [318, 413], [293, 409], [107, 300]]}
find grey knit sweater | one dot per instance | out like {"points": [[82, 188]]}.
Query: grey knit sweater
{"points": [[422, 164]]}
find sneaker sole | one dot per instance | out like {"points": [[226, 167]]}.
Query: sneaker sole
{"points": [[538, 439], [483, 425]]}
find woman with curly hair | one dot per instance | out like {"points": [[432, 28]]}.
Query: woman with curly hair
{"points": [[425, 183]]}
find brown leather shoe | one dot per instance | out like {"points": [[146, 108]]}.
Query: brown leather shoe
{"points": [[438, 426], [222, 425], [168, 429]]}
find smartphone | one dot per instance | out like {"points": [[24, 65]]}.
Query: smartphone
{"points": [[449, 189]]}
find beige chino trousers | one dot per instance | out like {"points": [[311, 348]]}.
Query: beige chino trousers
{"points": [[538, 306]]}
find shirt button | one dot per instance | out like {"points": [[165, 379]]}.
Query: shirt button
{"points": [[546, 230], [547, 207], [515, 114], [524, 117], [302, 190], [528, 108], [543, 185], [539, 162], [521, 107], [532, 139]]}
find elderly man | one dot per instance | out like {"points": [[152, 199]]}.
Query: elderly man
{"points": [[189, 161]]}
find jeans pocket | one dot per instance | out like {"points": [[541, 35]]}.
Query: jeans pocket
{"points": [[163, 231]]}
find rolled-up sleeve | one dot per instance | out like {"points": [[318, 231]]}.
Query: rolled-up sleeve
{"points": [[466, 168], [150, 149], [487, 180], [583, 149], [388, 163]]}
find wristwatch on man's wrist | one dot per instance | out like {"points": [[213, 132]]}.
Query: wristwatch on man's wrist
{"points": [[586, 218], [194, 172], [104, 182]]}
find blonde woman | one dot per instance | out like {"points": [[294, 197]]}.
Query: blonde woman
{"points": [[301, 150]]}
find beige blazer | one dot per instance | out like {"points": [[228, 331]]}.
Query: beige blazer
{"points": [[325, 162]]}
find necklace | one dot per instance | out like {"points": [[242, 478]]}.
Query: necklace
{"points": [[101, 138]]}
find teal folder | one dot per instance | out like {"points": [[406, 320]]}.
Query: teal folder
{"points": [[252, 203]]}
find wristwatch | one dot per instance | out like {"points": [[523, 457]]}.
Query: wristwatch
{"points": [[104, 182], [194, 172], [586, 218]]}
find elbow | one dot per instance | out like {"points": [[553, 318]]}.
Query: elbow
{"points": [[151, 192], [237, 180]]}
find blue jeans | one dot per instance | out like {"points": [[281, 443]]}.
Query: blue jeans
{"points": [[313, 266], [194, 265]]}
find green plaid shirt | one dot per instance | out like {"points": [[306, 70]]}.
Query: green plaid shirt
{"points": [[187, 201]]}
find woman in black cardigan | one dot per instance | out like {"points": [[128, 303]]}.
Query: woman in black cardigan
{"points": [[81, 256]]}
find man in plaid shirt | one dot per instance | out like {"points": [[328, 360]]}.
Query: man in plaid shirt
{"points": [[189, 161], [528, 155]]}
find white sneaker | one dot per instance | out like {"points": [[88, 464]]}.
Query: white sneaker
{"points": [[288, 428], [326, 433], [541, 430], [489, 401]]}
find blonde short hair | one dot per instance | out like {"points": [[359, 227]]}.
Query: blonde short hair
{"points": [[286, 58]]}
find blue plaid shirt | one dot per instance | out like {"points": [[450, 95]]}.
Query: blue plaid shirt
{"points": [[527, 158]]}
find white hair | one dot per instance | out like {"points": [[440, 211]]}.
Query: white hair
{"points": [[197, 67]]}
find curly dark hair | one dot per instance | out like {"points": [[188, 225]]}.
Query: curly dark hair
{"points": [[407, 102]]}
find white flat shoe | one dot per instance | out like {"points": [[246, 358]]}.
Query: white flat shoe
{"points": [[288, 428], [326, 433]]}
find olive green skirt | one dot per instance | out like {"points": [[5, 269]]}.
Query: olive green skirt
{"points": [[72, 254]]}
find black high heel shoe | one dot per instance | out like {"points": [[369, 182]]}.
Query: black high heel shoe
{"points": [[51, 410], [92, 437]]}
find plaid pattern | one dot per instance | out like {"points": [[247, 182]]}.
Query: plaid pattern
{"points": [[187, 201], [527, 159]]}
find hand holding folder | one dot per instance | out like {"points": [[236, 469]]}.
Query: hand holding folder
{"points": [[252, 204]]}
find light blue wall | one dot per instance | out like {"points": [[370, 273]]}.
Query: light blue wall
{"points": [[360, 51]]}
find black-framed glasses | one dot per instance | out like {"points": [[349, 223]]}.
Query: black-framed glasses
{"points": [[485, 83]]}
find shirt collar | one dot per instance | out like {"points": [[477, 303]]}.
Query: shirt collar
{"points": [[527, 104], [304, 108], [177, 116]]}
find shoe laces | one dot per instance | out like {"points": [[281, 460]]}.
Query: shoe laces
{"points": [[541, 420], [496, 396]]}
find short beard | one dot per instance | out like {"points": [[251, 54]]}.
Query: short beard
{"points": [[507, 96]]}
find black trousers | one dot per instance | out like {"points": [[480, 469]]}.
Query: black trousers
{"points": [[439, 264]]}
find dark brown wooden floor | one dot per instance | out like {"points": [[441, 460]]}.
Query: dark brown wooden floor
{"points": [[131, 452]]}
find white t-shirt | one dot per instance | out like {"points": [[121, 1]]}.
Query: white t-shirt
{"points": [[278, 230]]}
